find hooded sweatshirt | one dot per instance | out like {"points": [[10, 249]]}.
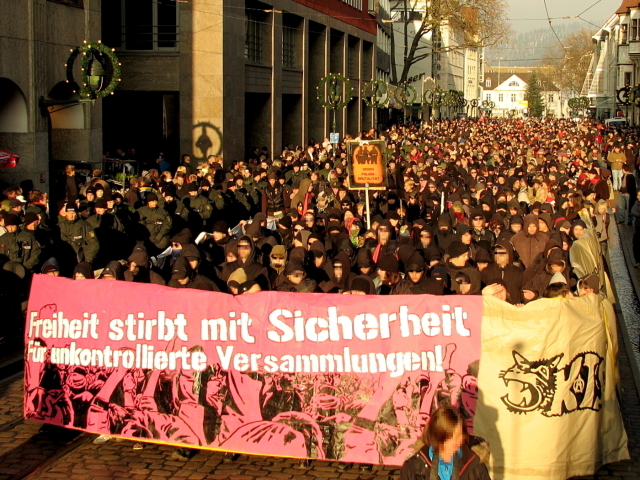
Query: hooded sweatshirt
{"points": [[529, 246], [510, 273]]}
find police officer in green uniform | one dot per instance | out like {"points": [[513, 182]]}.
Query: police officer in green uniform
{"points": [[157, 222], [79, 235], [200, 207], [19, 246]]}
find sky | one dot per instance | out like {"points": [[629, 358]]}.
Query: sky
{"points": [[599, 12]]}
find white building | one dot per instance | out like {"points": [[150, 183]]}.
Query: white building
{"points": [[506, 87], [615, 63], [449, 65]]}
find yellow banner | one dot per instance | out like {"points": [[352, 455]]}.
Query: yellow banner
{"points": [[547, 402]]}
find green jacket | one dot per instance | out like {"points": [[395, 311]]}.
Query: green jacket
{"points": [[216, 198], [201, 206], [82, 238], [158, 222], [108, 220], [21, 246]]}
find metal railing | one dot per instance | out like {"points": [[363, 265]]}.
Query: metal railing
{"points": [[150, 38]]}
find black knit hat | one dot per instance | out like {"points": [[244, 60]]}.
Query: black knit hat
{"points": [[389, 263], [456, 249], [11, 219], [151, 197], [221, 227], [30, 217]]}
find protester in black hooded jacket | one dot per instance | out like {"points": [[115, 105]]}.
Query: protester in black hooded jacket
{"points": [[416, 279], [503, 268], [255, 271]]}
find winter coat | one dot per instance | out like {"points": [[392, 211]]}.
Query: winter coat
{"points": [[469, 467], [511, 274], [82, 239], [529, 246]]}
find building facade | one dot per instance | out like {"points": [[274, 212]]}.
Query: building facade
{"points": [[210, 77], [447, 58], [34, 47], [615, 63], [506, 87]]}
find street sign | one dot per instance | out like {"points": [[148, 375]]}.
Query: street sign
{"points": [[367, 165], [334, 138]]}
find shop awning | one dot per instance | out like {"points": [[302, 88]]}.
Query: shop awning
{"points": [[8, 159]]}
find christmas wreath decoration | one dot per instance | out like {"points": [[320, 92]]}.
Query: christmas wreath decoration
{"points": [[375, 93], [100, 51], [334, 98], [405, 94]]}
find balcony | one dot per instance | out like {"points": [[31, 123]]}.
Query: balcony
{"points": [[634, 49]]}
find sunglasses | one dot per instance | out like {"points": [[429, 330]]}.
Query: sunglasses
{"points": [[478, 218]]}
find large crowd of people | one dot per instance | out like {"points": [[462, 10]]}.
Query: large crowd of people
{"points": [[469, 204], [483, 206]]}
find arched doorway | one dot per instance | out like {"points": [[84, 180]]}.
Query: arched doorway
{"points": [[65, 116], [13, 108]]}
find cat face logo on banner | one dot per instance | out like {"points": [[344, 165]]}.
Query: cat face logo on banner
{"points": [[542, 386], [367, 165]]}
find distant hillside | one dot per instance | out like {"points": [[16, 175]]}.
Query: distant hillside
{"points": [[527, 48]]}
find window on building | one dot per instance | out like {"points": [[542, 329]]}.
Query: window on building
{"points": [[150, 25], [501, 97], [513, 98], [487, 82], [634, 29], [488, 97], [551, 98], [253, 39], [288, 47], [514, 84], [623, 33], [627, 78]]}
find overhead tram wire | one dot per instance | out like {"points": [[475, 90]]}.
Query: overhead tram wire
{"points": [[551, 25]]}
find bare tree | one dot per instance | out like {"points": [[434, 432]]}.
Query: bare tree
{"points": [[484, 23], [567, 64]]}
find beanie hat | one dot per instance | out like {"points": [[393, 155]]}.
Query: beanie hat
{"points": [[102, 203], [362, 284], [193, 187], [456, 249], [152, 197], [221, 227], [71, 207], [11, 219], [389, 263], [169, 190], [30, 217]]}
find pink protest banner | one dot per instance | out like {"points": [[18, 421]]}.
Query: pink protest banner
{"points": [[337, 377]]}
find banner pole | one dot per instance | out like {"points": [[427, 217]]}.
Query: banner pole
{"points": [[366, 197]]}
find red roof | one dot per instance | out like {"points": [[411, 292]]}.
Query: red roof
{"points": [[626, 6]]}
